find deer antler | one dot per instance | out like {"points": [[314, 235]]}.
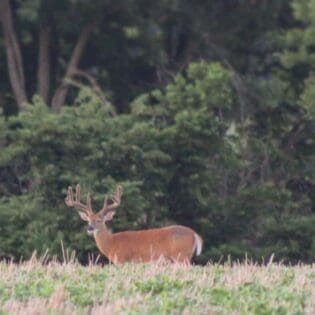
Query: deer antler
{"points": [[115, 200], [75, 201]]}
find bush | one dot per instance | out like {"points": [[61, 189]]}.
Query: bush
{"points": [[181, 156]]}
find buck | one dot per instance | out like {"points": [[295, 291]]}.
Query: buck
{"points": [[175, 243]]}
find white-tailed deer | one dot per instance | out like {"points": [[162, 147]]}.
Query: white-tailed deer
{"points": [[174, 243]]}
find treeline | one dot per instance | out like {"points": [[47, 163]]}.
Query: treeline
{"points": [[205, 119]]}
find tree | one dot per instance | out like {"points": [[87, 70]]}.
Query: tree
{"points": [[45, 15], [15, 63], [135, 46], [299, 55]]}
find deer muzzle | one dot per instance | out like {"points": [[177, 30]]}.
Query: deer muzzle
{"points": [[91, 230]]}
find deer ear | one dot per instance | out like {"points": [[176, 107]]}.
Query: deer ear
{"points": [[83, 216], [109, 216]]}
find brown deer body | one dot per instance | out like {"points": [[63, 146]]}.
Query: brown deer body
{"points": [[174, 243]]}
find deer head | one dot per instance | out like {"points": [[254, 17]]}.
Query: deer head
{"points": [[95, 220]]}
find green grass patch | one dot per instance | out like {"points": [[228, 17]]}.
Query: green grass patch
{"points": [[156, 289]]}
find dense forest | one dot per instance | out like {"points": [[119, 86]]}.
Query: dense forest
{"points": [[203, 111]]}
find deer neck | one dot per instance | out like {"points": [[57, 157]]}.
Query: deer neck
{"points": [[103, 240]]}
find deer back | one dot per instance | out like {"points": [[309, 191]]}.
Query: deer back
{"points": [[174, 243]]}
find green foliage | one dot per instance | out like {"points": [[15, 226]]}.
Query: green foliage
{"points": [[88, 144], [181, 156], [300, 40], [299, 54], [307, 96]]}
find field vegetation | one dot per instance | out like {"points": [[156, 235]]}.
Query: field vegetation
{"points": [[38, 287]]}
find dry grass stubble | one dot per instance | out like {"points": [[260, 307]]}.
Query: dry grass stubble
{"points": [[69, 288]]}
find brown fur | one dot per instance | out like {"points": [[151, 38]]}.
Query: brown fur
{"points": [[174, 243]]}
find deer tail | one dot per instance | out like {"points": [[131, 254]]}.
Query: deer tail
{"points": [[198, 244]]}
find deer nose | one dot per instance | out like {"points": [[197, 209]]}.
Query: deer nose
{"points": [[90, 229]]}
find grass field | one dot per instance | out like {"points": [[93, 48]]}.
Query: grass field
{"points": [[69, 288]]}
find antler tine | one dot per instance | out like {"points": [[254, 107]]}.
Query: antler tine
{"points": [[75, 201], [115, 198], [77, 193], [105, 202], [69, 199], [119, 191], [89, 201]]}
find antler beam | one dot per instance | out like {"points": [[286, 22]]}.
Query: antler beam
{"points": [[72, 201], [116, 198]]}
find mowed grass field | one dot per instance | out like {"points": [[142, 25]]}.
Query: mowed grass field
{"points": [[69, 288]]}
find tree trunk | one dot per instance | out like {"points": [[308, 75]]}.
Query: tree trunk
{"points": [[43, 70], [14, 56], [61, 92]]}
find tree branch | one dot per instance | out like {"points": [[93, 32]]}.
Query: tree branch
{"points": [[61, 92], [96, 88], [43, 70], [14, 56]]}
